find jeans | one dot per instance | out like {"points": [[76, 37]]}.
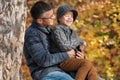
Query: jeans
{"points": [[57, 75], [72, 74]]}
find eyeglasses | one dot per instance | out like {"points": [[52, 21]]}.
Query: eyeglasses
{"points": [[51, 17]]}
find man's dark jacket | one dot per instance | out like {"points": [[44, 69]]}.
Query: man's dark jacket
{"points": [[36, 50]]}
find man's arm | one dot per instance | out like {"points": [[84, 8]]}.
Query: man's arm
{"points": [[41, 56]]}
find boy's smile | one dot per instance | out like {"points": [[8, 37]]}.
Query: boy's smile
{"points": [[67, 18]]}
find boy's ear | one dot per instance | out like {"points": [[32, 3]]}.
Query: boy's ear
{"points": [[40, 21]]}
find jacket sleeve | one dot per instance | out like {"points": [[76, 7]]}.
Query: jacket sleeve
{"points": [[74, 35], [59, 37], [40, 55]]}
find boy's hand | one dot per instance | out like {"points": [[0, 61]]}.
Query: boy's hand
{"points": [[80, 55], [85, 44], [82, 47]]}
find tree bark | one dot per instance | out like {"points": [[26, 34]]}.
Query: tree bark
{"points": [[12, 27]]}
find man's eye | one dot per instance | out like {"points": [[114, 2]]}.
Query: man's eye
{"points": [[66, 16]]}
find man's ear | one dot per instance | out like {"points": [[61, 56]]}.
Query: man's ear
{"points": [[39, 21]]}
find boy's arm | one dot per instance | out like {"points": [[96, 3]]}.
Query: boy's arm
{"points": [[82, 45], [62, 42], [74, 35]]}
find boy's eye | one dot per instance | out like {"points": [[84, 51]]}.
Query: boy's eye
{"points": [[66, 16]]}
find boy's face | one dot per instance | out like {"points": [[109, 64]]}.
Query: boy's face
{"points": [[67, 18]]}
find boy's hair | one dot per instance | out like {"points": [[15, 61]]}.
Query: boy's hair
{"points": [[39, 8]]}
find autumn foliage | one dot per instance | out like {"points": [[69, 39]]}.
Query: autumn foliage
{"points": [[98, 24]]}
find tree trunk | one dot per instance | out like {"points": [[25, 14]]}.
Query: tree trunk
{"points": [[12, 26]]}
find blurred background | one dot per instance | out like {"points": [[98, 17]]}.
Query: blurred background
{"points": [[98, 23]]}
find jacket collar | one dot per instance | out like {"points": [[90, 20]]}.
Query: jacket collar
{"points": [[46, 30], [65, 28]]}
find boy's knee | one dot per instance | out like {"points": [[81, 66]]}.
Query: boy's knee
{"points": [[87, 63]]}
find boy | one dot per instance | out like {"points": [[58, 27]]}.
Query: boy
{"points": [[65, 39]]}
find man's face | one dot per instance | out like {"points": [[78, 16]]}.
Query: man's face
{"points": [[48, 18]]}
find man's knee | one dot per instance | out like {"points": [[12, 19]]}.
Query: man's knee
{"points": [[57, 75]]}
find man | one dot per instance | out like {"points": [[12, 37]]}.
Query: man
{"points": [[42, 64]]}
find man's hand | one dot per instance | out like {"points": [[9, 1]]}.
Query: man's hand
{"points": [[80, 55], [71, 53]]}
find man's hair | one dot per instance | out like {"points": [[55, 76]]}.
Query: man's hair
{"points": [[39, 8]]}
